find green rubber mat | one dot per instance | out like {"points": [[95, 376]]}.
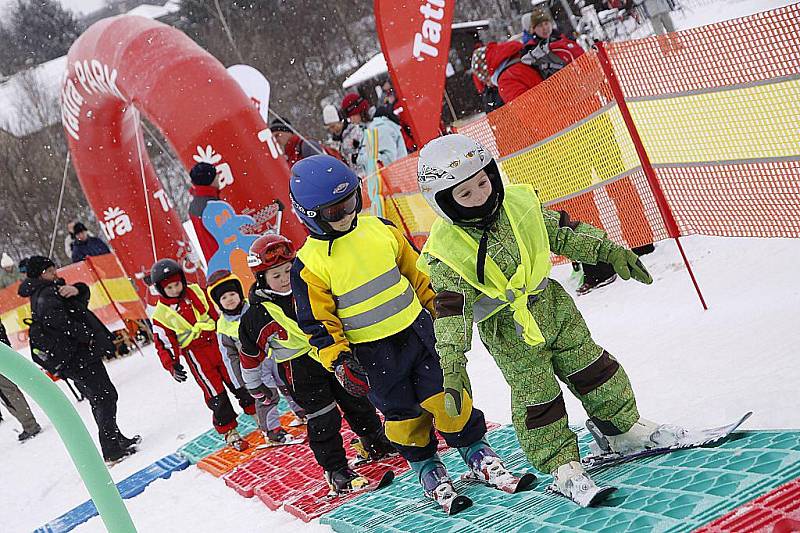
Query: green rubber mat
{"points": [[211, 441], [673, 492]]}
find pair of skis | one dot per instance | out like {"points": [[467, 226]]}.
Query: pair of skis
{"points": [[692, 439]]}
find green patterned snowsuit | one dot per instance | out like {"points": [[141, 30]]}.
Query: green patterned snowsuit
{"points": [[569, 353]]}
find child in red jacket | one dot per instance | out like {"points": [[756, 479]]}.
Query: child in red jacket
{"points": [[185, 323]]}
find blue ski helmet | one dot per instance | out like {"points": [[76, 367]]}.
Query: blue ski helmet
{"points": [[320, 181]]}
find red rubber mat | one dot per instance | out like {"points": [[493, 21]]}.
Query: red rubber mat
{"points": [[289, 476], [226, 459], [777, 511]]}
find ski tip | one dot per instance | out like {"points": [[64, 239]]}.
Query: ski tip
{"points": [[527, 481], [386, 479], [601, 495], [460, 503]]}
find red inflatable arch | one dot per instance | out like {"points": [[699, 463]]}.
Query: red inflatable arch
{"points": [[125, 65]]}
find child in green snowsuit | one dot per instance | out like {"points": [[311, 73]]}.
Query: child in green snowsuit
{"points": [[488, 256]]}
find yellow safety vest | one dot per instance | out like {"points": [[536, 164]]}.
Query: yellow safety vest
{"points": [[373, 299], [455, 248], [296, 345], [185, 331], [226, 326]]}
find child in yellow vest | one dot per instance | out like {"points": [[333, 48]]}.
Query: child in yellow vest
{"points": [[367, 309], [269, 332], [488, 255], [263, 383], [184, 323]]}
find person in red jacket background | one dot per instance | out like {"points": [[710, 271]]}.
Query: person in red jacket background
{"points": [[205, 187], [294, 147], [184, 323], [517, 66]]}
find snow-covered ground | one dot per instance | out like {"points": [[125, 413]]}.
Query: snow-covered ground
{"points": [[687, 365]]}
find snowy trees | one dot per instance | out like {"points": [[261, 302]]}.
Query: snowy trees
{"points": [[35, 31]]}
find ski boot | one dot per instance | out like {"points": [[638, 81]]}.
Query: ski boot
{"points": [[643, 435], [486, 467], [372, 448], [572, 481], [235, 441], [277, 436], [345, 480], [589, 284], [438, 486]]}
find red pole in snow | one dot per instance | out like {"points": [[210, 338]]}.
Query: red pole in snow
{"points": [[647, 167]]}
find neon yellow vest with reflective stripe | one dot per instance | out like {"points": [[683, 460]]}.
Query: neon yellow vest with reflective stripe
{"points": [[296, 345], [455, 248], [373, 299], [185, 331]]}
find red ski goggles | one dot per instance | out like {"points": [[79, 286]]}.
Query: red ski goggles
{"points": [[337, 211], [276, 253]]}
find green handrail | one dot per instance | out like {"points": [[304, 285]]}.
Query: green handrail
{"points": [[72, 430]]}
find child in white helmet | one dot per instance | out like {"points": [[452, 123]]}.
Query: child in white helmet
{"points": [[488, 256]]}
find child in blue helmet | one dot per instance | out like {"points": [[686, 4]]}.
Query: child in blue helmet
{"points": [[367, 309]]}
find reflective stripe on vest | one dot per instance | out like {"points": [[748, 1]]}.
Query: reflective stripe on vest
{"points": [[455, 248], [185, 332], [297, 342], [373, 299]]}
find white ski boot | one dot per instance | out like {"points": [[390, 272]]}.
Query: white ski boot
{"points": [[644, 435], [487, 468], [573, 482], [438, 487]]}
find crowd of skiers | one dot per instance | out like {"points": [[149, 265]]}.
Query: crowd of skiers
{"points": [[360, 134]]}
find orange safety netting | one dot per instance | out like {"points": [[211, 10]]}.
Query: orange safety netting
{"points": [[749, 50], [716, 111]]}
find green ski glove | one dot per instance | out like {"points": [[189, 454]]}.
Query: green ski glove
{"points": [[628, 265], [456, 379]]}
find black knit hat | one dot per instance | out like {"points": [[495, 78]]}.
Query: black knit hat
{"points": [[280, 124], [203, 174], [37, 264]]}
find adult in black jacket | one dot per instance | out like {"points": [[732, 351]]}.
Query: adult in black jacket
{"points": [[78, 340]]}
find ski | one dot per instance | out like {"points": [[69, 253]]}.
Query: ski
{"points": [[693, 439], [512, 483], [385, 480], [291, 442]]}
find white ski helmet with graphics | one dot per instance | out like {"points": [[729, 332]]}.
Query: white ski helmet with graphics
{"points": [[448, 161]]}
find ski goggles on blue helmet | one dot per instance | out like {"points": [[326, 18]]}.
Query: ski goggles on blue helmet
{"points": [[339, 210]]}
